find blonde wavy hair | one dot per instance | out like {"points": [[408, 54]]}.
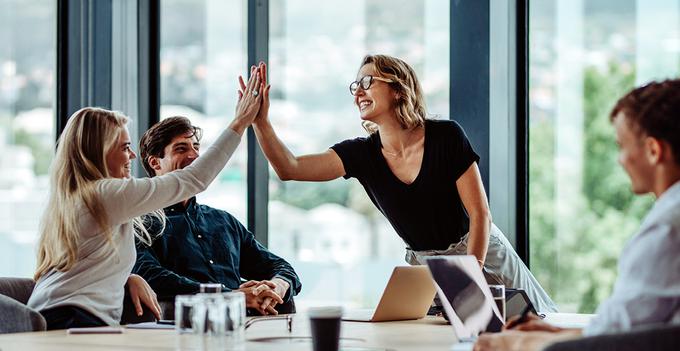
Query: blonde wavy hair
{"points": [[410, 105], [79, 162]]}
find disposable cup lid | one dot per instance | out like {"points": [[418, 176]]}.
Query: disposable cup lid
{"points": [[325, 312]]}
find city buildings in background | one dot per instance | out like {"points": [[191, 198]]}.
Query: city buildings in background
{"points": [[583, 55]]}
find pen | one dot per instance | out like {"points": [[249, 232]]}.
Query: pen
{"points": [[523, 316]]}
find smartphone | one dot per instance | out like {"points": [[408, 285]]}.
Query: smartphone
{"points": [[96, 330]]}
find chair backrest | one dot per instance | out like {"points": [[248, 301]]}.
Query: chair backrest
{"points": [[15, 316], [19, 289], [20, 318]]}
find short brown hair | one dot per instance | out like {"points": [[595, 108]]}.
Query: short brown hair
{"points": [[155, 139], [654, 109], [410, 109]]}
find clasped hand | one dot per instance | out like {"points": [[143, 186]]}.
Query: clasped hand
{"points": [[263, 295]]}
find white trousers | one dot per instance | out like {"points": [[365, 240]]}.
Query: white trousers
{"points": [[502, 266]]}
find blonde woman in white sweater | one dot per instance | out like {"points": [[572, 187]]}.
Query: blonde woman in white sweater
{"points": [[87, 237]]}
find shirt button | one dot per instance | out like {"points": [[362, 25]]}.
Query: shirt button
{"points": [[199, 236], [211, 261]]}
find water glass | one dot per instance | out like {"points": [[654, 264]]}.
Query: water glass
{"points": [[184, 311], [227, 316], [221, 317], [210, 288], [498, 294]]}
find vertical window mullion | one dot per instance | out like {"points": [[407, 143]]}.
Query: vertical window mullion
{"points": [[258, 171]]}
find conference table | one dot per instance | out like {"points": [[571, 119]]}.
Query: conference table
{"points": [[429, 333]]}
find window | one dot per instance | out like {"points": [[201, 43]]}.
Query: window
{"points": [[27, 127], [203, 51], [584, 55], [340, 245]]}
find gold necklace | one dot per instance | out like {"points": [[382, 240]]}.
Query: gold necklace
{"points": [[397, 154]]}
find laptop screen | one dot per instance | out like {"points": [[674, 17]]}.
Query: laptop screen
{"points": [[464, 294]]}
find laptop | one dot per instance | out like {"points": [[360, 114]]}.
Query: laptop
{"points": [[408, 295], [465, 296]]}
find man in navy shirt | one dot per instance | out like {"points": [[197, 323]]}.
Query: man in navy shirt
{"points": [[201, 244]]}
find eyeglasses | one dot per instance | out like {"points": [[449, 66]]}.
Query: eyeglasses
{"points": [[365, 83]]}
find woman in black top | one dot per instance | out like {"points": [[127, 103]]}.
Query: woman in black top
{"points": [[421, 174]]}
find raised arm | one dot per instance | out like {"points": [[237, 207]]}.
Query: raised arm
{"points": [[314, 167], [124, 199]]}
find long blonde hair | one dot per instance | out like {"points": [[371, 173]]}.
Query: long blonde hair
{"points": [[80, 161], [410, 106]]}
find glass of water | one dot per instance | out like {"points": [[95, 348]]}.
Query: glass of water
{"points": [[498, 294], [228, 316], [210, 288], [184, 311], [218, 315]]}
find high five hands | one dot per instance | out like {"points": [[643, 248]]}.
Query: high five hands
{"points": [[249, 100], [261, 70]]}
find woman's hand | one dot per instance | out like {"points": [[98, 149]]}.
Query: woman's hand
{"points": [[249, 101], [141, 292], [263, 114]]}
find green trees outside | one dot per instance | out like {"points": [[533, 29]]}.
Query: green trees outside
{"points": [[579, 270]]}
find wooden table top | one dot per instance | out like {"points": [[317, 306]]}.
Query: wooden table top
{"points": [[430, 333]]}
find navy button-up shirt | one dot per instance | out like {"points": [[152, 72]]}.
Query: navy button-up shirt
{"points": [[201, 244]]}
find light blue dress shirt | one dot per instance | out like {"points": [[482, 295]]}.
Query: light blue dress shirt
{"points": [[647, 290]]}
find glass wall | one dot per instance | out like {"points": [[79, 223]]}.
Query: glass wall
{"points": [[341, 246], [583, 56], [27, 127], [203, 51]]}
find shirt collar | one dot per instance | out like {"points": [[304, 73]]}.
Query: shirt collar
{"points": [[669, 199], [179, 207]]}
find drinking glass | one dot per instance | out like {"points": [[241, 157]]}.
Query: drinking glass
{"points": [[498, 294], [184, 310], [210, 288]]}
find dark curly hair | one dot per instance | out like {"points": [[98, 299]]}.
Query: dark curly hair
{"points": [[654, 110], [155, 139]]}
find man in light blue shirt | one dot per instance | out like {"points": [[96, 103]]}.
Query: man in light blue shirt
{"points": [[647, 290]]}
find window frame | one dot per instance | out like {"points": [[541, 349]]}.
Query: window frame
{"points": [[85, 71]]}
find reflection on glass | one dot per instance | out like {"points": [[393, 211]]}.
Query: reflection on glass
{"points": [[27, 60], [202, 54], [583, 56], [342, 247]]}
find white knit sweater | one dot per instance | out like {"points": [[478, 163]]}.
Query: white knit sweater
{"points": [[96, 282]]}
